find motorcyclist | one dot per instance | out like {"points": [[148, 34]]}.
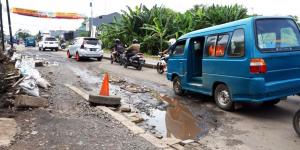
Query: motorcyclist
{"points": [[166, 53], [133, 49], [117, 49]]}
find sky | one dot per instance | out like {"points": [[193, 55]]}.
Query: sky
{"points": [[102, 7]]}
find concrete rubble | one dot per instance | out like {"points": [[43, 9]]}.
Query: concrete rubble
{"points": [[24, 101], [125, 108]]}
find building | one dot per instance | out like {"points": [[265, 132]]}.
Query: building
{"points": [[97, 21], [57, 33]]}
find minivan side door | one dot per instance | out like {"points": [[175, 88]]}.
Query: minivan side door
{"points": [[177, 60]]}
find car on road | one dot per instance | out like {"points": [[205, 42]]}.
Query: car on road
{"points": [[48, 43], [85, 47], [29, 41], [250, 60]]}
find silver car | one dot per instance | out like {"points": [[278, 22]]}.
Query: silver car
{"points": [[85, 47]]}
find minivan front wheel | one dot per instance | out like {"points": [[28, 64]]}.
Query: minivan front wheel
{"points": [[177, 87], [223, 98]]}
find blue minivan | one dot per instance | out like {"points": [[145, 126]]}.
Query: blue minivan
{"points": [[30, 41], [256, 59]]}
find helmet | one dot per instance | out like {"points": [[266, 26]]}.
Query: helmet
{"points": [[135, 41], [172, 41], [117, 40]]}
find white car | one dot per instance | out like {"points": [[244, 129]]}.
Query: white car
{"points": [[48, 43], [85, 47]]}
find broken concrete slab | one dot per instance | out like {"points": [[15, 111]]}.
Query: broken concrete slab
{"points": [[105, 100], [8, 129], [38, 63], [97, 100], [135, 118], [24, 101], [125, 108]]}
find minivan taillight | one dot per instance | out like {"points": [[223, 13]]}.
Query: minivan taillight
{"points": [[258, 65]]}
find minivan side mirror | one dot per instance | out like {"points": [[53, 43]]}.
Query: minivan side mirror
{"points": [[82, 46]]}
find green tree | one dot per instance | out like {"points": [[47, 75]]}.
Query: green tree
{"points": [[23, 35], [153, 27]]}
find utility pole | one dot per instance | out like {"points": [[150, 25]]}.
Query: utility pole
{"points": [[9, 25], [1, 28], [91, 19]]}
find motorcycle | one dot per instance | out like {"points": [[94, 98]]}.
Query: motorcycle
{"points": [[296, 122], [136, 61], [116, 56], [161, 66]]}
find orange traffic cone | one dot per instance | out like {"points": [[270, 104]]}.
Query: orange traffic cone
{"points": [[104, 91]]}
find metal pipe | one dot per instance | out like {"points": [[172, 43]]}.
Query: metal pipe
{"points": [[9, 25], [1, 28], [91, 19]]}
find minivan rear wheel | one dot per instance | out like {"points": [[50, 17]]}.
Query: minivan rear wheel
{"points": [[177, 87], [223, 98]]}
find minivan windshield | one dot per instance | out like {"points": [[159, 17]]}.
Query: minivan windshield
{"points": [[277, 35]]}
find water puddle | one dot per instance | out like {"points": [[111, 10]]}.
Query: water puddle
{"points": [[93, 82], [176, 121]]}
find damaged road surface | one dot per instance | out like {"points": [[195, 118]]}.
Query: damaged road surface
{"points": [[69, 122], [147, 100]]}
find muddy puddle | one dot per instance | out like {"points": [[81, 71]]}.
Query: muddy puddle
{"points": [[175, 121], [167, 116]]}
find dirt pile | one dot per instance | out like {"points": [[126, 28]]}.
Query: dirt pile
{"points": [[8, 77], [4, 62]]}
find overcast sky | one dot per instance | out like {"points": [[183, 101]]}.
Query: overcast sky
{"points": [[101, 7]]}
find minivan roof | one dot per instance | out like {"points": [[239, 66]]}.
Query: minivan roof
{"points": [[229, 24]]}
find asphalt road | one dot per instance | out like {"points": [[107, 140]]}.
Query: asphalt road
{"points": [[250, 127]]}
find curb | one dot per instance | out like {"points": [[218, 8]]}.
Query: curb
{"points": [[147, 65]]}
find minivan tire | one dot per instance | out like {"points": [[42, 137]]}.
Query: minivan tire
{"points": [[223, 98], [296, 122], [99, 59], [177, 87]]}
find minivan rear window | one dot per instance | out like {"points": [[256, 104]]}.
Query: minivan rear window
{"points": [[91, 41], [50, 39], [277, 35]]}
